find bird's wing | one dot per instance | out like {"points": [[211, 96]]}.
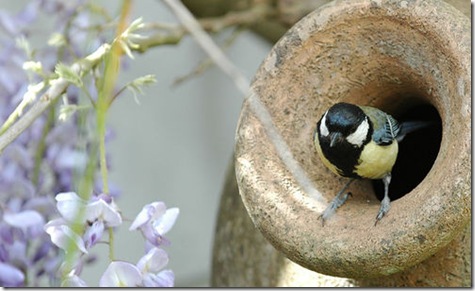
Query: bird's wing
{"points": [[388, 132], [385, 127]]}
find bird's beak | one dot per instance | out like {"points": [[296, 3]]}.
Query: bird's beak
{"points": [[334, 138]]}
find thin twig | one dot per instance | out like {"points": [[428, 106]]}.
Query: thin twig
{"points": [[254, 14], [208, 45], [207, 62]]}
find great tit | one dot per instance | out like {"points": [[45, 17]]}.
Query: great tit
{"points": [[359, 142]]}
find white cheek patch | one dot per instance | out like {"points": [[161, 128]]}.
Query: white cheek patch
{"points": [[359, 136], [323, 127]]}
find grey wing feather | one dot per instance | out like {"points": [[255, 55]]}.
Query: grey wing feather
{"points": [[385, 127], [388, 132]]}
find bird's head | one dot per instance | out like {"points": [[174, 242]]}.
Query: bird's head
{"points": [[344, 123]]}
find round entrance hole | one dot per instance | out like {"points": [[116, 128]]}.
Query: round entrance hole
{"points": [[417, 152]]}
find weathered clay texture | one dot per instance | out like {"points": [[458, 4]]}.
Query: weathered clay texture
{"points": [[389, 54]]}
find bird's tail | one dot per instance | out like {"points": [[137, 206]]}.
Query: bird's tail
{"points": [[410, 126]]}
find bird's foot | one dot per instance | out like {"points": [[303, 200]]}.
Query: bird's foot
{"points": [[383, 209]]}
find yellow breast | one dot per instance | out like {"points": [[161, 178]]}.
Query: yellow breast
{"points": [[376, 161]]}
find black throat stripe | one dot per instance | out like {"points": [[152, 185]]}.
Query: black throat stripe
{"points": [[343, 155]]}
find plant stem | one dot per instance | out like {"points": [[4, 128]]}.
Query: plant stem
{"points": [[41, 148], [101, 128], [111, 243], [106, 86]]}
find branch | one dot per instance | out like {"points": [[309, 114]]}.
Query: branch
{"points": [[248, 17], [162, 34], [207, 62], [173, 34], [58, 86]]}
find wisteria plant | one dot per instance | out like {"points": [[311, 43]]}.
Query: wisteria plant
{"points": [[56, 202]]}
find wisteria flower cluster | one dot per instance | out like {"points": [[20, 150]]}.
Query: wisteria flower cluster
{"points": [[55, 157], [41, 162], [100, 213]]}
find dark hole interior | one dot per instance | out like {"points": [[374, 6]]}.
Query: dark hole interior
{"points": [[417, 153]]}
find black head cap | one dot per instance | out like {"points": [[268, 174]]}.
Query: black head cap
{"points": [[344, 118]]}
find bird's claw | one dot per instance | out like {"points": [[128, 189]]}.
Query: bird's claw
{"points": [[383, 209]]}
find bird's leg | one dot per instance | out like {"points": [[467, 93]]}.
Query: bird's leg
{"points": [[338, 201], [385, 203]]}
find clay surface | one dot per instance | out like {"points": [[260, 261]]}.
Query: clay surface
{"points": [[389, 54]]}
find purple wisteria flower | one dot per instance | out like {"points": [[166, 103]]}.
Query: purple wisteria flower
{"points": [[100, 212], [154, 221], [11, 276], [46, 157], [49, 160], [149, 270], [96, 214], [29, 221], [73, 280], [151, 266], [93, 233], [101, 207], [147, 273], [121, 274], [62, 235]]}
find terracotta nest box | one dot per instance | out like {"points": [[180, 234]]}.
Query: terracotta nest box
{"points": [[409, 58]]}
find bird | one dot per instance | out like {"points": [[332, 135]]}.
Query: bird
{"points": [[360, 142]]}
